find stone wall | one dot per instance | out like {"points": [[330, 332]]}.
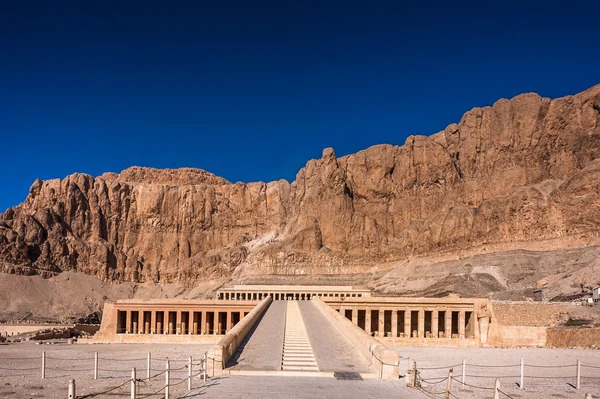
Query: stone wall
{"points": [[573, 338], [533, 314]]}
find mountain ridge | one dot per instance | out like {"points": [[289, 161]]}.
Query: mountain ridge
{"points": [[521, 170]]}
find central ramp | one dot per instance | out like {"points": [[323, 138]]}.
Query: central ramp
{"points": [[262, 348], [297, 351], [295, 337], [332, 349]]}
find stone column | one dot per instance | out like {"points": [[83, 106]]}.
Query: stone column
{"points": [[394, 323], [461, 324], [407, 323], [203, 323], [381, 326], [178, 327], [146, 324], [195, 323], [355, 315], [448, 324], [153, 322], [140, 322], [421, 325], [172, 323], [368, 321], [434, 323], [134, 322], [228, 326], [159, 324], [128, 322], [218, 323]]}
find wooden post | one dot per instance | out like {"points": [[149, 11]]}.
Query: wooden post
{"points": [[72, 393], [43, 364], [133, 382], [578, 374], [522, 372], [204, 364], [464, 368], [167, 381], [414, 381], [497, 389], [95, 365], [148, 366], [190, 374], [449, 384]]}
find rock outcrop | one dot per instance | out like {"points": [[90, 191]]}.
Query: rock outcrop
{"points": [[522, 170]]}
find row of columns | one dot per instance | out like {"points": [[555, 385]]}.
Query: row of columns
{"points": [[407, 323], [193, 322], [282, 296]]}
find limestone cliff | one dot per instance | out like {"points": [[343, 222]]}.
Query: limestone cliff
{"points": [[522, 170]]}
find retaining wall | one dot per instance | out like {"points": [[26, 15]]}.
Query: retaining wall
{"points": [[573, 338], [384, 359], [226, 347]]}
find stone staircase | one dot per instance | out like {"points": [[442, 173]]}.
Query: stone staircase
{"points": [[297, 350]]}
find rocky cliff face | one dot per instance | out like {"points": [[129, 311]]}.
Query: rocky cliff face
{"points": [[524, 169]]}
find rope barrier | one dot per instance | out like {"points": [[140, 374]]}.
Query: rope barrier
{"points": [[91, 395], [68, 370], [440, 368], [180, 382], [428, 381], [494, 366], [147, 395], [20, 358], [122, 360], [592, 367], [550, 367], [115, 371], [472, 386], [19, 369], [429, 393], [505, 394], [70, 359], [157, 375], [545, 376]]}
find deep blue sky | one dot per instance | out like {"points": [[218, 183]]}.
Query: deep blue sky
{"points": [[251, 90]]}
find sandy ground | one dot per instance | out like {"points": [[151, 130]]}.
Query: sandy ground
{"points": [[549, 373], [20, 370]]}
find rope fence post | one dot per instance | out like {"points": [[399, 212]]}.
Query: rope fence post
{"points": [[95, 365], [167, 380], [148, 365], [449, 384], [72, 393], [414, 376], [43, 364], [464, 368], [497, 389], [522, 373], [133, 382], [190, 374], [578, 374], [204, 364]]}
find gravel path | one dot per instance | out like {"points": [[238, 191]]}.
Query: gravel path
{"points": [[549, 373], [20, 368], [257, 387]]}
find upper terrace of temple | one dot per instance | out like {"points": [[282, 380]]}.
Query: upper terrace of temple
{"points": [[290, 292]]}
